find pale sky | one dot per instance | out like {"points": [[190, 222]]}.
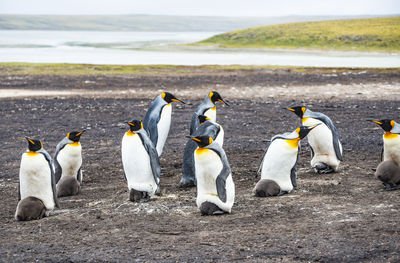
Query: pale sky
{"points": [[202, 7]]}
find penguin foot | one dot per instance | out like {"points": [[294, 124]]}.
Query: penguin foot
{"points": [[283, 193], [138, 196], [187, 182], [323, 168], [266, 187], [208, 209], [30, 208], [391, 188]]}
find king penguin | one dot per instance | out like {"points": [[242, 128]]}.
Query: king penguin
{"points": [[67, 164], [215, 187], [389, 174], [206, 128], [207, 108], [391, 140], [326, 148], [158, 119], [278, 167], [140, 162], [37, 188]]}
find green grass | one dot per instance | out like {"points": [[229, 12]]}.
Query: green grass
{"points": [[87, 69], [374, 34]]}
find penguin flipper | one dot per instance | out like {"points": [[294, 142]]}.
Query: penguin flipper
{"points": [[382, 152], [58, 170], [293, 172], [188, 166], [79, 175], [194, 123], [154, 159], [225, 171]]}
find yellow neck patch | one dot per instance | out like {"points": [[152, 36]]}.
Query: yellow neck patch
{"points": [[214, 108], [76, 144], [293, 142], [389, 135], [130, 133], [32, 153], [201, 150], [303, 120]]}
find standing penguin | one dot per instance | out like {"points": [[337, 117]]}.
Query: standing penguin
{"points": [[215, 187], [391, 140], [278, 172], [326, 149], [158, 119], [209, 128], [37, 189], [140, 162], [207, 108], [67, 164]]}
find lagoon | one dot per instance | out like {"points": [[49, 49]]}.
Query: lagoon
{"points": [[125, 48]]}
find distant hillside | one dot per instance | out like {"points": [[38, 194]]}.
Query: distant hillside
{"points": [[147, 22], [375, 34]]}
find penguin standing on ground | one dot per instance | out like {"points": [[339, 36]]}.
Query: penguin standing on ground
{"points": [[37, 189], [140, 162], [207, 108], [278, 172], [389, 173], [208, 128], [215, 187], [158, 119], [391, 140], [67, 164], [326, 149]]}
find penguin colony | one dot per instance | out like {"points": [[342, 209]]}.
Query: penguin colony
{"points": [[42, 180]]}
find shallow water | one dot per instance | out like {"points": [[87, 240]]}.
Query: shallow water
{"points": [[163, 48]]}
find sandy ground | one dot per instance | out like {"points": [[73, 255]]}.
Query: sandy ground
{"points": [[345, 217]]}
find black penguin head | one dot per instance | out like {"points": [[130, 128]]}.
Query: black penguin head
{"points": [[34, 145], [304, 130], [203, 118], [168, 97], [135, 125], [298, 110], [214, 96], [386, 124], [75, 136], [202, 141]]}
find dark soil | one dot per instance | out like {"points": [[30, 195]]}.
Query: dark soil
{"points": [[341, 217]]}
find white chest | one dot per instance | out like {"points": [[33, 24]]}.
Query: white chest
{"points": [[70, 160], [163, 127], [211, 113], [136, 161], [392, 149], [35, 179], [208, 165], [278, 163], [320, 138]]}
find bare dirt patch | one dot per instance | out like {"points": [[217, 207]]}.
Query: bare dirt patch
{"points": [[346, 216]]}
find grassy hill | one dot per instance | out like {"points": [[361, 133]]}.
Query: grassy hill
{"points": [[146, 22], [374, 34]]}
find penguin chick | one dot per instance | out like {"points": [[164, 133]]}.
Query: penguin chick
{"points": [[324, 141], [30, 208], [207, 108], [141, 163], [389, 173], [266, 187], [391, 140], [68, 186], [36, 182], [214, 177], [279, 163], [157, 121]]}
